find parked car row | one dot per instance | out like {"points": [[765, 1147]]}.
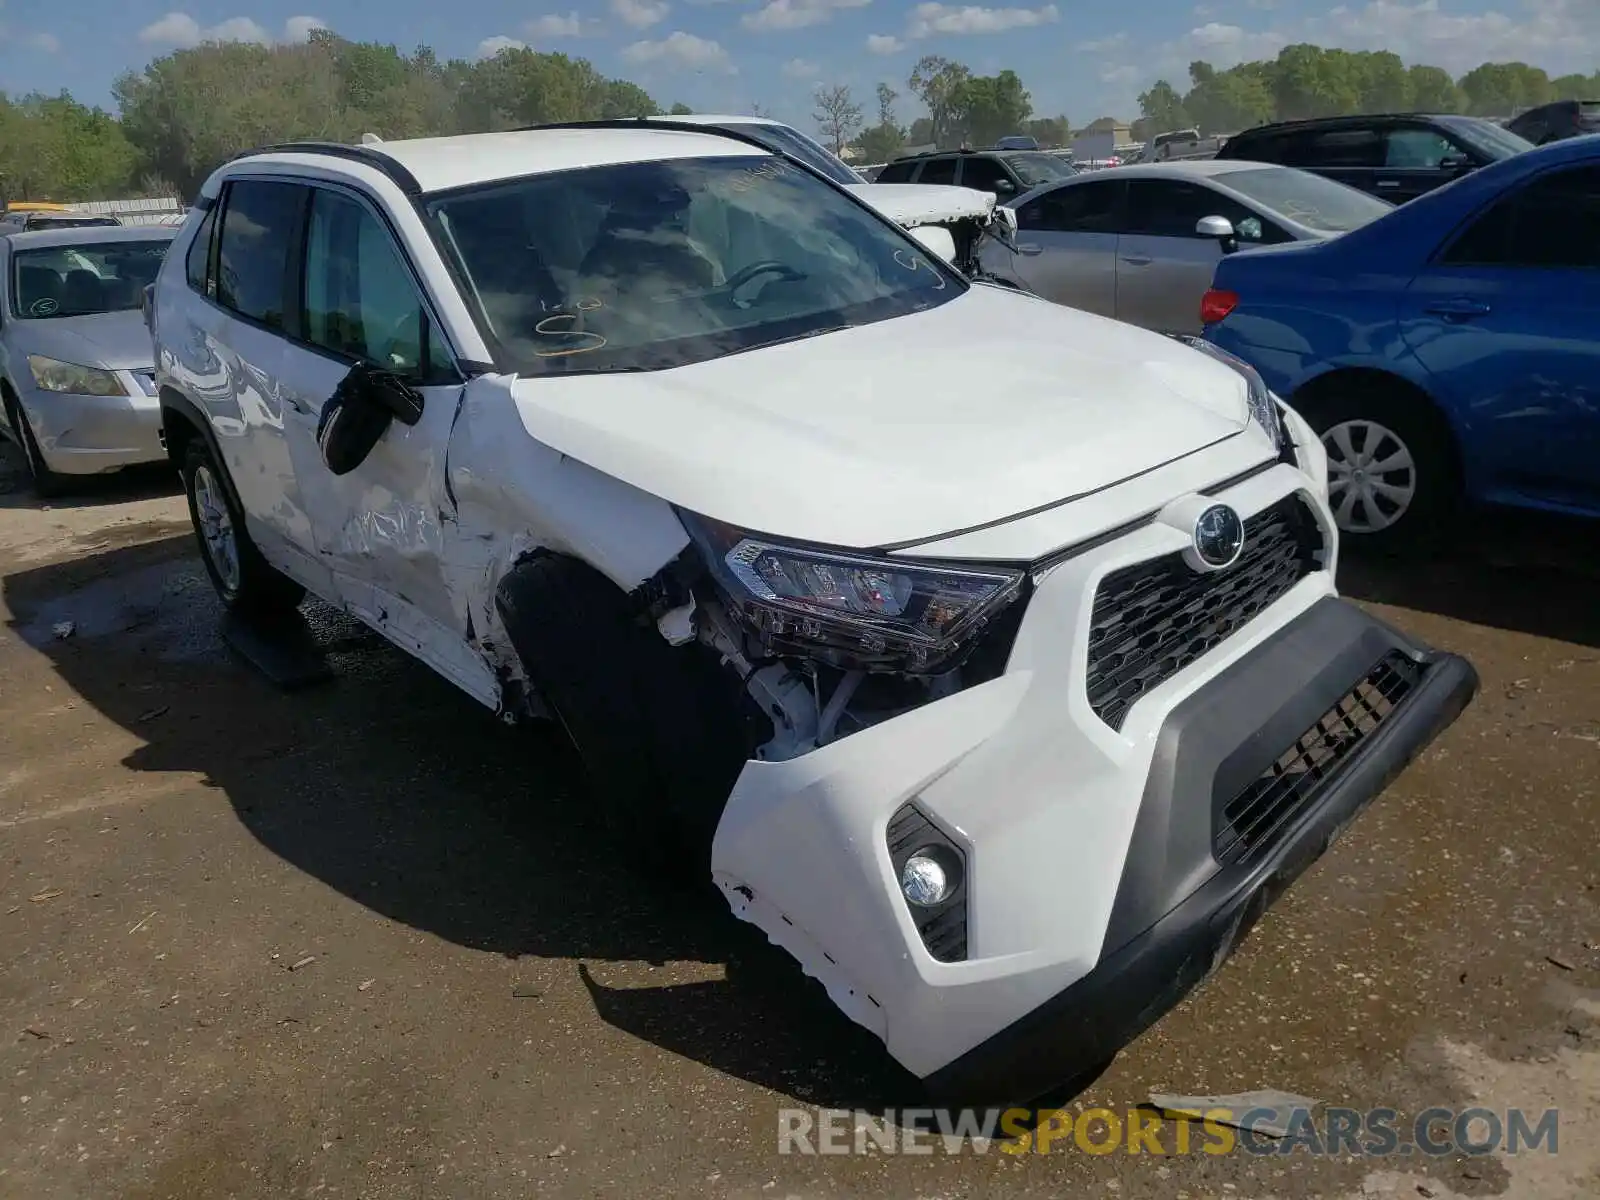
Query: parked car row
{"points": [[812, 543]]}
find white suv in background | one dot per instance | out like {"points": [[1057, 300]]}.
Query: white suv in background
{"points": [[986, 654]]}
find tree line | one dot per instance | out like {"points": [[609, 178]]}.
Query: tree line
{"points": [[189, 111], [1311, 81], [962, 109]]}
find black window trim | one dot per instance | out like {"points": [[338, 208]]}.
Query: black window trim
{"points": [[459, 369], [1464, 226]]}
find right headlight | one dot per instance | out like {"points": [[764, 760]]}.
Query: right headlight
{"points": [[1263, 406], [53, 375], [852, 610]]}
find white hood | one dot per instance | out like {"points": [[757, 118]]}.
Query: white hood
{"points": [[913, 204], [986, 407]]}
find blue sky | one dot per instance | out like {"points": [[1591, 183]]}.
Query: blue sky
{"points": [[1084, 59]]}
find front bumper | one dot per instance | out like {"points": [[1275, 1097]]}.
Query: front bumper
{"points": [[1221, 735], [1079, 833], [84, 435]]}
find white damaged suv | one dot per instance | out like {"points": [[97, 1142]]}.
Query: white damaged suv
{"points": [[986, 654]]}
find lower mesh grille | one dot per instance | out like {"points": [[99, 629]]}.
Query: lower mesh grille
{"points": [[1251, 820]]}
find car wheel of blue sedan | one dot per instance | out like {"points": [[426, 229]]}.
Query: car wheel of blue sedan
{"points": [[1391, 474]]}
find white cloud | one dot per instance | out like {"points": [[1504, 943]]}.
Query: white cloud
{"points": [[1102, 45], [799, 68], [1559, 35], [45, 43], [882, 43], [679, 49], [557, 25], [180, 30], [1204, 10], [1122, 75], [796, 14], [1263, 4], [640, 14], [932, 18], [300, 29], [490, 46]]}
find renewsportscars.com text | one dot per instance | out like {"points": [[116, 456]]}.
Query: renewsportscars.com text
{"points": [[1372, 1133]]}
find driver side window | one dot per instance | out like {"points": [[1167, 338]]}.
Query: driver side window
{"points": [[359, 299]]}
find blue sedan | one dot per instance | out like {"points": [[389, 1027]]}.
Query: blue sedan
{"points": [[1449, 350]]}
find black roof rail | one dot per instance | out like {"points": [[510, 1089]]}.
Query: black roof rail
{"points": [[667, 123], [367, 155]]}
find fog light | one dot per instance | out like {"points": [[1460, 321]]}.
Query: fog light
{"points": [[929, 876]]}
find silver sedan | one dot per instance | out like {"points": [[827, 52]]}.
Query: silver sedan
{"points": [[76, 367], [1140, 243]]}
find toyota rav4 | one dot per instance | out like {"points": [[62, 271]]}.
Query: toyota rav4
{"points": [[984, 653]]}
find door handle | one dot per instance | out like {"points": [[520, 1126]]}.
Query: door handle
{"points": [[1029, 249], [1137, 260], [1458, 309], [1388, 183]]}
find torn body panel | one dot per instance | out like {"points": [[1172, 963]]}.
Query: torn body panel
{"points": [[511, 495]]}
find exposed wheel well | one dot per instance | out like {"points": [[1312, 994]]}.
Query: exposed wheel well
{"points": [[1395, 390], [177, 427]]}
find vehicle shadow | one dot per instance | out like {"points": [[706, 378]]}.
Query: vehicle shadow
{"points": [[1522, 572], [88, 491], [398, 791]]}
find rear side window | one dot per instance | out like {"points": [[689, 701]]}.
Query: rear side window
{"points": [[1548, 223], [986, 175], [1080, 208], [1416, 149], [1163, 208], [897, 172], [197, 263], [938, 170], [260, 224], [1344, 148]]}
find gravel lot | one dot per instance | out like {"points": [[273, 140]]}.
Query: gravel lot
{"points": [[361, 940]]}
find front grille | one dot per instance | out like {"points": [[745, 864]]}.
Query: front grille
{"points": [[1155, 618], [1250, 821]]}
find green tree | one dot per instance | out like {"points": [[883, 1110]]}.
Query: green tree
{"points": [[992, 106], [1163, 108], [1227, 101], [1050, 132], [53, 148], [1432, 90], [937, 82], [680, 110], [1500, 89], [886, 139]]}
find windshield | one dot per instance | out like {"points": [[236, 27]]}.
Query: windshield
{"points": [[797, 145], [1036, 167], [1495, 141], [1306, 199], [83, 278], [643, 266]]}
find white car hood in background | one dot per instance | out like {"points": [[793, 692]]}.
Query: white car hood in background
{"points": [[911, 204], [983, 408]]}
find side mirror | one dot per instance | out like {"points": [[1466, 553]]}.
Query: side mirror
{"points": [[360, 410], [1220, 229], [936, 240]]}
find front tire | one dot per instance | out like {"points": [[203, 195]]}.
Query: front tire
{"points": [[1393, 483], [660, 729], [245, 582], [46, 483]]}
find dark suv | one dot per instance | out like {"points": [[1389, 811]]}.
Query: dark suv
{"points": [[1396, 156], [1553, 122], [1006, 173]]}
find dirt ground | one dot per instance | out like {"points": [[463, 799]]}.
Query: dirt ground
{"points": [[361, 940]]}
